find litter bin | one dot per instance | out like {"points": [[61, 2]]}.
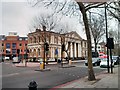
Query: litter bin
{"points": [[59, 61], [32, 85]]}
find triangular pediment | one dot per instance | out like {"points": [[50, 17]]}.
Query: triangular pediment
{"points": [[74, 35]]}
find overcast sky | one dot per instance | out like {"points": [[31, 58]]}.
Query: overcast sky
{"points": [[16, 17]]}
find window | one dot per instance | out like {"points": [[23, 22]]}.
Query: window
{"points": [[25, 44], [2, 44], [20, 44], [13, 51], [34, 39], [38, 38], [55, 40], [30, 40], [7, 45], [7, 51], [13, 45], [25, 51], [26, 38], [38, 51], [20, 39]]}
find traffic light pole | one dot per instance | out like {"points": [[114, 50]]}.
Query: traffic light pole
{"points": [[111, 61], [44, 57]]}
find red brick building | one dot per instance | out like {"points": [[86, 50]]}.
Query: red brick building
{"points": [[10, 44]]}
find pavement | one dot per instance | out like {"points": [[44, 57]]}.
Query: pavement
{"points": [[103, 80], [36, 64]]}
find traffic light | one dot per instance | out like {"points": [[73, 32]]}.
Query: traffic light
{"points": [[46, 47], [110, 43], [63, 47]]}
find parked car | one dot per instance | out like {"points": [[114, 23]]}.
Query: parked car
{"points": [[7, 58], [115, 60], [1, 59], [16, 60], [103, 63], [95, 62]]}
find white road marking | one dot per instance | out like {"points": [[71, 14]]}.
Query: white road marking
{"points": [[8, 75]]}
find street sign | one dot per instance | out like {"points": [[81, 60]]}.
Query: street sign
{"points": [[56, 51]]}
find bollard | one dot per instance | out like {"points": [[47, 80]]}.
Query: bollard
{"points": [[70, 62], [32, 85], [41, 66]]}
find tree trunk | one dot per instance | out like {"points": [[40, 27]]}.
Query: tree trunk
{"points": [[95, 47], [91, 75]]}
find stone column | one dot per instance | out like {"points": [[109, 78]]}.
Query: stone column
{"points": [[71, 51], [75, 50], [79, 50], [52, 52], [66, 47]]}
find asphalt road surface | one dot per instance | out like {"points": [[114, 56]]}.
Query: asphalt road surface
{"points": [[20, 77]]}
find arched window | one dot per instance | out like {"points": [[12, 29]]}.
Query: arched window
{"points": [[34, 39], [55, 40], [38, 52], [38, 38], [34, 52]]}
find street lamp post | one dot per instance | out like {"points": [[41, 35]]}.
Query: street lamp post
{"points": [[107, 38]]}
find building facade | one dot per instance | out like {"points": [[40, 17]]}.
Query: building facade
{"points": [[75, 46], [11, 43]]}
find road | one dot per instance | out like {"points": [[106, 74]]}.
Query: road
{"points": [[19, 77]]}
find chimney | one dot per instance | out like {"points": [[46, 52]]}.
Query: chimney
{"points": [[44, 28], [37, 30]]}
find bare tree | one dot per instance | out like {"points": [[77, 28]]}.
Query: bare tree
{"points": [[114, 34], [97, 28], [114, 10], [46, 19]]}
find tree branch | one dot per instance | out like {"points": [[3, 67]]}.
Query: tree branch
{"points": [[96, 5], [114, 15], [62, 7]]}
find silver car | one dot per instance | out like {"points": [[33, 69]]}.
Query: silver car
{"points": [[95, 62]]}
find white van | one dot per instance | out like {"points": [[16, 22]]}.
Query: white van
{"points": [[7, 58]]}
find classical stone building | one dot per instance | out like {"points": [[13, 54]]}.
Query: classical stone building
{"points": [[76, 46]]}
